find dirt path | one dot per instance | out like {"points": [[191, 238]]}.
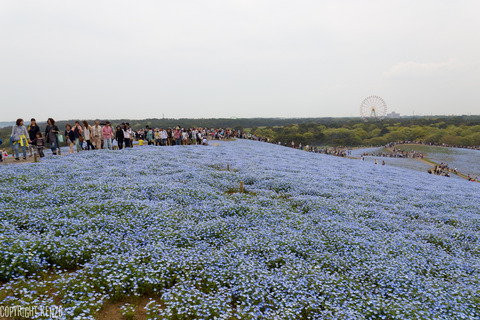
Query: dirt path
{"points": [[11, 160]]}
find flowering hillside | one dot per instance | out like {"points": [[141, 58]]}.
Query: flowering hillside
{"points": [[312, 236]]}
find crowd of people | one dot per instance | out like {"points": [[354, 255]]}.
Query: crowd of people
{"points": [[101, 135], [182, 136], [98, 136], [396, 153], [339, 152], [472, 179], [441, 170], [34, 141], [392, 144], [444, 170]]}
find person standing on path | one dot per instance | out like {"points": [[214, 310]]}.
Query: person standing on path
{"points": [[185, 138], [70, 136], [178, 136], [87, 135], [149, 136], [157, 137], [51, 134], [107, 133], [32, 129], [163, 137], [78, 132], [199, 137], [39, 142], [120, 137], [170, 136], [19, 137], [127, 135], [97, 135]]}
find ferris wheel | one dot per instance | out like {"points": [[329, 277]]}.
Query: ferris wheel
{"points": [[373, 107]]}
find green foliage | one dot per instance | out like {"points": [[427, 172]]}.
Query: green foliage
{"points": [[448, 130]]}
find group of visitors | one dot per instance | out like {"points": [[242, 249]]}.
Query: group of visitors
{"points": [[186, 136], [472, 179], [101, 135], [392, 144], [396, 153], [336, 152], [96, 137], [82, 137], [24, 138], [339, 152], [374, 161], [171, 137], [441, 169]]}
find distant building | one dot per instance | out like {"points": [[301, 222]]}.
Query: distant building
{"points": [[393, 115]]}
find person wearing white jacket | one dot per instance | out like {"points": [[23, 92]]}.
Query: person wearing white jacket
{"points": [[97, 135], [127, 135], [163, 137], [87, 135]]}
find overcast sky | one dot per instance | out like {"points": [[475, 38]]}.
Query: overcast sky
{"points": [[220, 58]]}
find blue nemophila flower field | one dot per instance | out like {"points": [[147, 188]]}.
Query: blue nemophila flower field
{"points": [[312, 236]]}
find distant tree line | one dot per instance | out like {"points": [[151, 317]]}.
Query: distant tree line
{"points": [[452, 130], [463, 131]]}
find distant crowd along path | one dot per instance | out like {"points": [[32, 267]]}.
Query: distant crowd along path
{"points": [[436, 165], [391, 151]]}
